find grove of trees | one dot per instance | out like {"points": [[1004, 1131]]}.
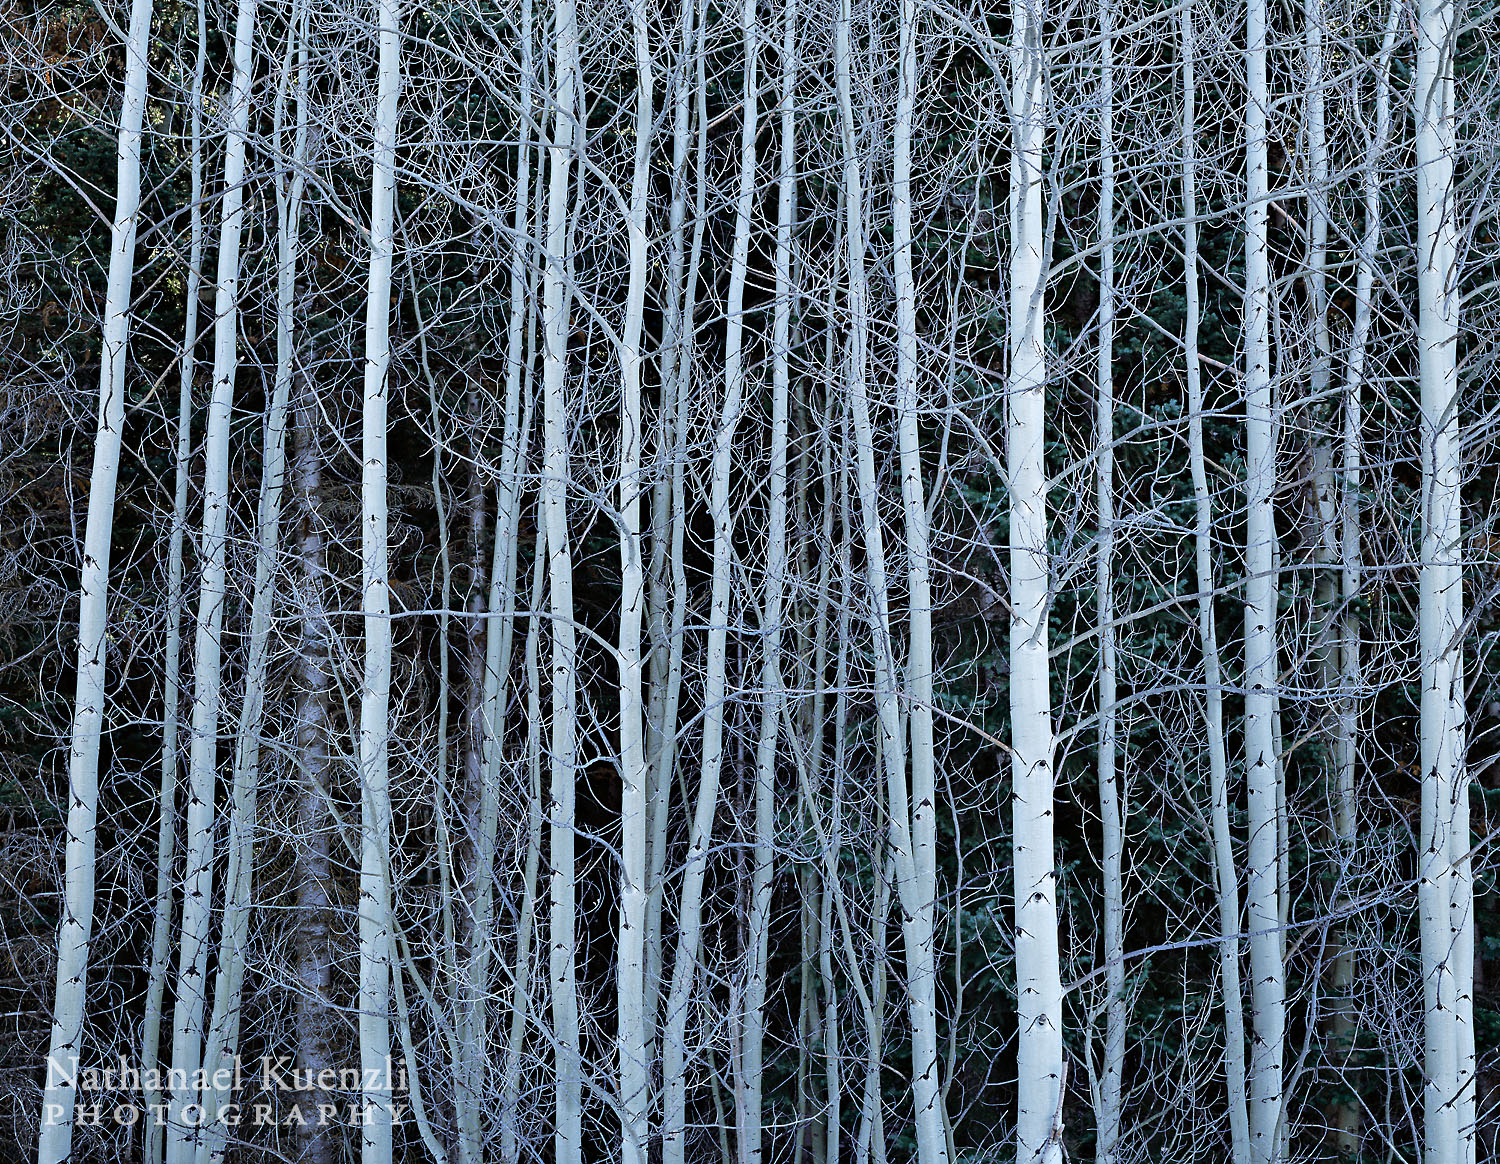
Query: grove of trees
{"points": [[749, 582]]}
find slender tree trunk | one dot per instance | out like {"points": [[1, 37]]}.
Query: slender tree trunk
{"points": [[520, 987], [1263, 896], [1346, 1114], [1445, 895], [567, 1127], [689, 915], [223, 1036], [166, 843], [498, 637], [763, 873], [55, 1142], [1111, 806], [192, 966], [666, 519], [1226, 880], [1038, 975], [375, 938], [870, 1146], [679, 369], [632, 1050], [920, 904], [318, 1142]]}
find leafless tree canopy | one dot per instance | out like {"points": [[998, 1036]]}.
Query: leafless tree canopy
{"points": [[766, 581]]}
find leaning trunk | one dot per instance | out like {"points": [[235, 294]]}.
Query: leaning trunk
{"points": [[55, 1143]]}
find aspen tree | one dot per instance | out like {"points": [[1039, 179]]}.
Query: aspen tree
{"points": [[1346, 1115], [915, 894], [758, 934], [1226, 879], [166, 844], [520, 992], [1111, 802], [192, 966], [375, 939], [1327, 617], [632, 1050], [1262, 763], [313, 951], [223, 1035], [689, 913], [1445, 897], [65, 1043], [665, 591], [1039, 1063], [870, 1142], [567, 1126], [499, 632], [920, 901], [683, 273]]}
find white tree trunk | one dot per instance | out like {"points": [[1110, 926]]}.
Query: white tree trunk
{"points": [[1445, 895], [567, 1126], [632, 1050], [1263, 898], [375, 938], [520, 985], [758, 935], [1038, 974], [223, 1036], [664, 595], [166, 844], [920, 903], [689, 916], [1346, 1114], [1226, 880], [1111, 803], [192, 967], [58, 1098]]}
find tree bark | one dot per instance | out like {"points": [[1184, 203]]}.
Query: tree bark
{"points": [[632, 1049], [192, 967], [1038, 974], [567, 1126], [1263, 897], [1445, 887], [375, 938], [1226, 879], [689, 917], [1111, 802], [58, 1098], [166, 843]]}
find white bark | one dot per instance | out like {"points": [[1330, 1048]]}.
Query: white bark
{"points": [[1346, 1114], [689, 916], [375, 938], [1038, 975], [166, 844], [1263, 897], [752, 1036], [1111, 803], [919, 903], [520, 988], [669, 518], [632, 1050], [223, 1036], [1445, 893], [1226, 880], [499, 633], [60, 1093], [192, 966], [567, 1126]]}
